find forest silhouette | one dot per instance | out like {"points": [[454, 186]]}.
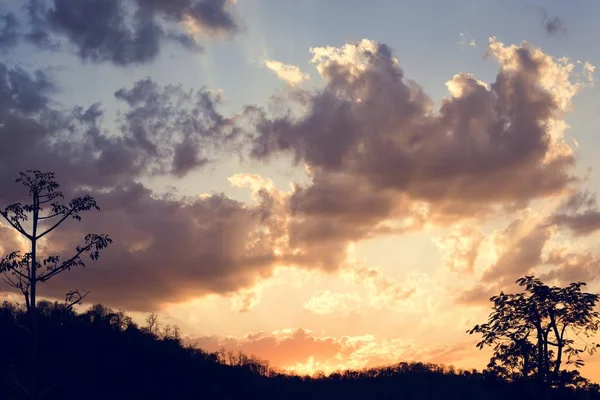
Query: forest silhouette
{"points": [[103, 354], [51, 351]]}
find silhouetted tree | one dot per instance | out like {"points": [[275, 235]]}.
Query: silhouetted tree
{"points": [[532, 331], [23, 271], [152, 324]]}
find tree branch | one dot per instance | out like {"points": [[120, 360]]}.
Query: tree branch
{"points": [[49, 216], [9, 282], [41, 235], [64, 265], [17, 226]]}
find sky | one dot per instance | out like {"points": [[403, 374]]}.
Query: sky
{"points": [[324, 185]]}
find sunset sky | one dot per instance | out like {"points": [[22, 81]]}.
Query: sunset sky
{"points": [[323, 184]]}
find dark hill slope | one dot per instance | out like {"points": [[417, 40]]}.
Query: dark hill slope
{"points": [[102, 354]]}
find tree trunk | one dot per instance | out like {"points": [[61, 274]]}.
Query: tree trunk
{"points": [[33, 389]]}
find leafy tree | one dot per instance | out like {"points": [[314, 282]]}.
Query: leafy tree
{"points": [[533, 331], [23, 271]]}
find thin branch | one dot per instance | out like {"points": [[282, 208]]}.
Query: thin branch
{"points": [[9, 282], [16, 385], [56, 225], [64, 265], [16, 225], [48, 389], [78, 300], [26, 329], [22, 275], [49, 216]]}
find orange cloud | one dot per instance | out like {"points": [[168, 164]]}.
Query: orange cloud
{"points": [[325, 302], [298, 350], [460, 247]]}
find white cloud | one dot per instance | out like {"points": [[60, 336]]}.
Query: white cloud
{"points": [[286, 72], [466, 41]]}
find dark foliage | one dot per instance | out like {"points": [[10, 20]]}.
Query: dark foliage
{"points": [[102, 354], [537, 332]]}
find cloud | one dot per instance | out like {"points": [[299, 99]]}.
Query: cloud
{"points": [[290, 74], [161, 131], [552, 25], [379, 159], [126, 32], [572, 266], [10, 240], [383, 292], [559, 265], [517, 250], [299, 350], [460, 247], [244, 300], [167, 250], [325, 302], [466, 41], [373, 124], [178, 128], [579, 213], [520, 248], [9, 30], [530, 245], [382, 160], [478, 295]]}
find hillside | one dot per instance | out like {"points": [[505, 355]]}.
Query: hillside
{"points": [[102, 354]]}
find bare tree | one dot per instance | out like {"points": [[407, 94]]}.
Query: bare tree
{"points": [[152, 324], [176, 332], [23, 271]]}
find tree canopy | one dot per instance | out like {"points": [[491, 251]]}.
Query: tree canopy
{"points": [[532, 332]]}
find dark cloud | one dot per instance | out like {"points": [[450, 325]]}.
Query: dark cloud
{"points": [[382, 159], [23, 94], [333, 211], [581, 224], [162, 130], [572, 266], [180, 129], [479, 295], [522, 243], [9, 30], [373, 124], [579, 213], [525, 247], [554, 26], [212, 15], [126, 32], [166, 250]]}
